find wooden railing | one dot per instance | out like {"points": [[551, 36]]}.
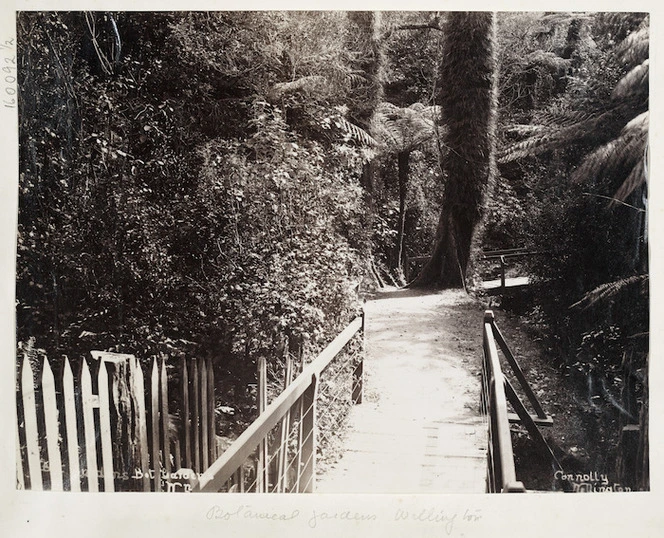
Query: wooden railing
{"points": [[497, 391], [503, 255], [277, 452]]}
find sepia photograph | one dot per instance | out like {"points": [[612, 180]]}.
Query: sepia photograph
{"points": [[331, 252]]}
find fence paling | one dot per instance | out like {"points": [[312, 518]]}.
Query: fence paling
{"points": [[195, 418], [186, 414], [20, 478], [165, 417], [138, 392], [51, 421], [30, 420], [88, 402], [154, 416], [71, 426], [105, 427], [204, 416]]}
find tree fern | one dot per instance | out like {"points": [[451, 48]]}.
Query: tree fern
{"points": [[634, 49], [624, 152], [607, 291], [356, 133], [634, 83], [403, 129]]}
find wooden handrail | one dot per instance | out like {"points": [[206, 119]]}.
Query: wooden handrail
{"points": [[223, 468], [500, 451]]}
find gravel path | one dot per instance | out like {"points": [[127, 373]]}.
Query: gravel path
{"points": [[419, 429]]}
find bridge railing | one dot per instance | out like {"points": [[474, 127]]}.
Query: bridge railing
{"points": [[277, 452], [501, 473], [497, 392]]}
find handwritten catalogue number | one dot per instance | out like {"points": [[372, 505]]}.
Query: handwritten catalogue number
{"points": [[8, 70]]}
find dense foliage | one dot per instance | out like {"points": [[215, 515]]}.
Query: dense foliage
{"points": [[574, 136], [221, 183], [176, 194]]}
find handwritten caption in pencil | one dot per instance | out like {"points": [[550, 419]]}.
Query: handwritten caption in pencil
{"points": [[446, 520]]}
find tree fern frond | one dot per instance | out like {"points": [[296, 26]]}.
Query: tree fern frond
{"points": [[610, 290], [636, 178], [522, 130], [355, 79], [401, 129], [633, 83], [305, 84], [356, 133], [638, 125], [635, 48], [622, 152], [525, 148], [555, 138]]}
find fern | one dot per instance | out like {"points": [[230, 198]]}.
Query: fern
{"points": [[607, 291], [633, 83], [636, 178], [402, 129], [634, 49], [624, 152], [356, 133]]}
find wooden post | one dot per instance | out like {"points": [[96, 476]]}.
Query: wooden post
{"points": [[89, 401], [30, 419], [307, 483], [262, 474], [137, 390], [51, 421], [105, 427], [502, 273], [195, 417], [205, 434], [282, 476], [154, 425], [186, 427], [358, 373], [165, 418], [212, 429]]}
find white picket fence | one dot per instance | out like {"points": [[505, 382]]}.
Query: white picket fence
{"points": [[110, 430]]}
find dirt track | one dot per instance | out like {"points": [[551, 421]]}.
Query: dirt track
{"points": [[419, 429]]}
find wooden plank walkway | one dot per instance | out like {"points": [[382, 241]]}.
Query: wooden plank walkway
{"points": [[419, 429], [510, 283]]}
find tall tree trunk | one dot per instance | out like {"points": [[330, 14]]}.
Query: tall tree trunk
{"points": [[403, 159], [467, 96], [365, 42]]}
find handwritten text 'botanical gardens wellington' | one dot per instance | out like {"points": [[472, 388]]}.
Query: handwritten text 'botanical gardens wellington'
{"points": [[314, 518]]}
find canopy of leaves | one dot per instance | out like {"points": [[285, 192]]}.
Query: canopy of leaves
{"points": [[187, 183]]}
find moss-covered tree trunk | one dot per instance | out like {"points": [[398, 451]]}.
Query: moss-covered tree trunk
{"points": [[467, 96], [364, 42]]}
